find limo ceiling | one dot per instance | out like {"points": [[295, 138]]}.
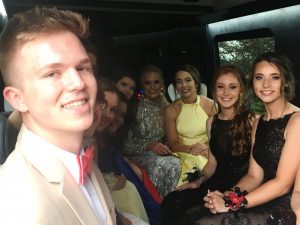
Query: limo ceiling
{"points": [[123, 17]]}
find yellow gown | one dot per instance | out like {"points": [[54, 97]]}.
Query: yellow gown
{"points": [[127, 199], [191, 129]]}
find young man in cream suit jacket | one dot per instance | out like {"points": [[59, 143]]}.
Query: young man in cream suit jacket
{"points": [[49, 80]]}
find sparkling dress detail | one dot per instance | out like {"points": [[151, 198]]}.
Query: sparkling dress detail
{"points": [[269, 142], [164, 171], [228, 171]]}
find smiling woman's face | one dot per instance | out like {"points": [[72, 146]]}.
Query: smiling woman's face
{"points": [[152, 85], [110, 110], [185, 84], [126, 86]]}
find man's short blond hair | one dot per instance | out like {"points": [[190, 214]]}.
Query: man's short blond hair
{"points": [[27, 26]]}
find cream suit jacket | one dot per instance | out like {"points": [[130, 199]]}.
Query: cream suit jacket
{"points": [[36, 189]]}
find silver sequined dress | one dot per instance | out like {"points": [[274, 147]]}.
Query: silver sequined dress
{"points": [[164, 171]]}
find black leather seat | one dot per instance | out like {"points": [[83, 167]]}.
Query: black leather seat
{"points": [[8, 136]]}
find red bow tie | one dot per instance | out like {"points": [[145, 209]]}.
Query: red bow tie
{"points": [[85, 163]]}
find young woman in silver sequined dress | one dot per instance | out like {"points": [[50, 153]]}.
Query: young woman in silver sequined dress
{"points": [[146, 143]]}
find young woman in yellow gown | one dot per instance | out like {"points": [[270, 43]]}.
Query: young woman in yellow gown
{"points": [[185, 121]]}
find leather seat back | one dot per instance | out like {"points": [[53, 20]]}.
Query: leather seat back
{"points": [[8, 136]]}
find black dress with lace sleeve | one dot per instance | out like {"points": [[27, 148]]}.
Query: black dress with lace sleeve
{"points": [[269, 142], [267, 149], [230, 169]]}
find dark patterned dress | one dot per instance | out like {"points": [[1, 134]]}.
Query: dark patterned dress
{"points": [[229, 170], [269, 142]]}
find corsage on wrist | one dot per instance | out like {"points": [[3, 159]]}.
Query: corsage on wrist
{"points": [[235, 199]]}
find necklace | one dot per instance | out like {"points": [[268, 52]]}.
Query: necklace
{"points": [[267, 116]]}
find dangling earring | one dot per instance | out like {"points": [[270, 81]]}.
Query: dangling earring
{"points": [[162, 91]]}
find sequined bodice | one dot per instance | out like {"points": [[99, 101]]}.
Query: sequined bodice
{"points": [[149, 120], [269, 141], [147, 128]]}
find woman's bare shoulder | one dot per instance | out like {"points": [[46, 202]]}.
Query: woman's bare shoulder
{"points": [[295, 119], [209, 120], [205, 99], [173, 108], [208, 105], [175, 105]]}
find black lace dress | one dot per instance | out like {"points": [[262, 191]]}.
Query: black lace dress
{"points": [[269, 142], [229, 170]]}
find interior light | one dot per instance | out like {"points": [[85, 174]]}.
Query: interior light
{"points": [[286, 13], [3, 15]]}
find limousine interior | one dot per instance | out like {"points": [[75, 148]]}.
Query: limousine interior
{"points": [[172, 32]]}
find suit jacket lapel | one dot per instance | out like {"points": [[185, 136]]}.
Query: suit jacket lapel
{"points": [[103, 194], [53, 170], [77, 201]]}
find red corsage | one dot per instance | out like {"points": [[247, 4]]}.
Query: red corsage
{"points": [[235, 199]]}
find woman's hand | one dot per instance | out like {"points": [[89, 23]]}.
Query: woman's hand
{"points": [[214, 202], [199, 149], [120, 184], [159, 148], [124, 220]]}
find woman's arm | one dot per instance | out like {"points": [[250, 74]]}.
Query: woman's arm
{"points": [[158, 148], [295, 201], [255, 173], [211, 164], [171, 114], [287, 168]]}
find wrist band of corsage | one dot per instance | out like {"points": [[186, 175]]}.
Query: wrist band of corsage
{"points": [[235, 199]]}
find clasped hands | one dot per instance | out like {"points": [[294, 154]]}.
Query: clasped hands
{"points": [[214, 202]]}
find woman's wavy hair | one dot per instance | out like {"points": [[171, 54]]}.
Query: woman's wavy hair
{"points": [[285, 67], [241, 127]]}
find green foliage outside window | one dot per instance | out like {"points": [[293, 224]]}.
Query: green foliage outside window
{"points": [[243, 53]]}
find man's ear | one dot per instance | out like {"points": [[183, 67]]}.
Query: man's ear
{"points": [[15, 98]]}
